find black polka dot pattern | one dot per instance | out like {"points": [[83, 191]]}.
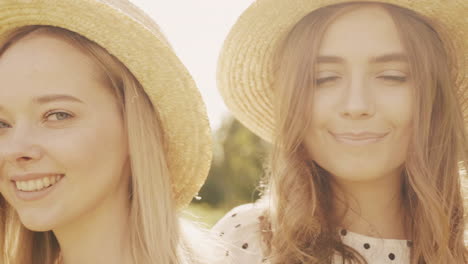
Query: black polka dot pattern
{"points": [[239, 229], [343, 232]]}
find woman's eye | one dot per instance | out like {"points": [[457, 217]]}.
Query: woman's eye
{"points": [[326, 80], [393, 78], [4, 125], [59, 116]]}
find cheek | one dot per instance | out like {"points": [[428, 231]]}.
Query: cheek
{"points": [[322, 111], [92, 156], [316, 141], [397, 110], [393, 113], [82, 148]]}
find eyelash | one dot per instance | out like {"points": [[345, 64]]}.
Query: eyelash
{"points": [[46, 116], [1, 122], [54, 112], [325, 79], [400, 79]]}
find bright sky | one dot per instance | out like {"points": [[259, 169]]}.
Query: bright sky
{"points": [[196, 30]]}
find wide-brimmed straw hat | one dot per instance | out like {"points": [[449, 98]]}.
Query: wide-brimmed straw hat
{"points": [[130, 35], [245, 67]]}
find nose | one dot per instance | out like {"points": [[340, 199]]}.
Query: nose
{"points": [[19, 148], [358, 100]]}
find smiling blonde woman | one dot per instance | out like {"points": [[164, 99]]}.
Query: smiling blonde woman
{"points": [[103, 137], [364, 103]]}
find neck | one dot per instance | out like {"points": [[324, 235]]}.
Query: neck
{"points": [[99, 235], [374, 208]]}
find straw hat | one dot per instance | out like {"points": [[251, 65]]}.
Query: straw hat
{"points": [[130, 35], [245, 71]]}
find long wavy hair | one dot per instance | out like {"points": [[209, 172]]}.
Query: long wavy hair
{"points": [[299, 224], [157, 235]]}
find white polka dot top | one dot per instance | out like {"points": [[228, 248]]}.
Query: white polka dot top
{"points": [[240, 230]]}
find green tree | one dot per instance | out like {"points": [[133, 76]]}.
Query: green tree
{"points": [[237, 166]]}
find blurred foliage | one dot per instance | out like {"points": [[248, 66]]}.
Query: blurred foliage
{"points": [[235, 173]]}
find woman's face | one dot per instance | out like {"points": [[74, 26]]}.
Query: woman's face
{"points": [[361, 119], [60, 126]]}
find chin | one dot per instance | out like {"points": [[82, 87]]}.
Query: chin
{"points": [[356, 178], [38, 223], [350, 174], [38, 228], [354, 173]]}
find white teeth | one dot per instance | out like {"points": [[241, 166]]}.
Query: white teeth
{"points": [[31, 185], [46, 181], [38, 184]]}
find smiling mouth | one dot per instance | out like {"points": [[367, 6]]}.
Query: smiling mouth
{"points": [[38, 184], [359, 138]]}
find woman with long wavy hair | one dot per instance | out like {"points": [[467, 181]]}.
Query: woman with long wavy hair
{"points": [[364, 103], [104, 137]]}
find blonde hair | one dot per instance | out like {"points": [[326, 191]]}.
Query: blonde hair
{"points": [[300, 223], [155, 228]]}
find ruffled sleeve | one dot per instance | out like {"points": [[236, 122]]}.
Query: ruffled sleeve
{"points": [[240, 230]]}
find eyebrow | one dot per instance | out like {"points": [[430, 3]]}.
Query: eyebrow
{"points": [[56, 97], [390, 57], [51, 98], [329, 59]]}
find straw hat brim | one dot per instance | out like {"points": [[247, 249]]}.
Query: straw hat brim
{"points": [[245, 66], [131, 36]]}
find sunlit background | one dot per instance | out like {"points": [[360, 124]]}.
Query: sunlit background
{"points": [[196, 29]]}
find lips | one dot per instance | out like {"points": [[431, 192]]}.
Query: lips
{"points": [[360, 135], [35, 186], [33, 176], [359, 138]]}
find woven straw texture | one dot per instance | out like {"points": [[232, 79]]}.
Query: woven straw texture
{"points": [[245, 70], [130, 35]]}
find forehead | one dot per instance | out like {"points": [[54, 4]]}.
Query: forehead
{"points": [[362, 32], [41, 63]]}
